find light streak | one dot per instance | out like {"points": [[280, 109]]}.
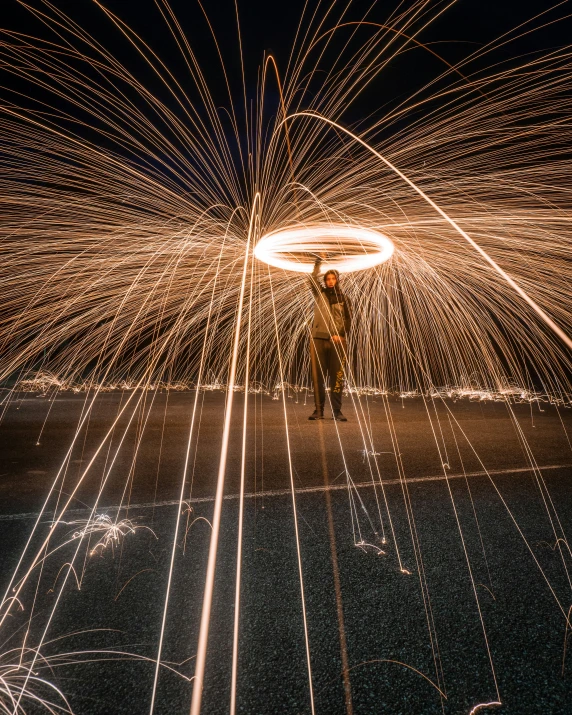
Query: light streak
{"points": [[354, 248], [22, 689], [484, 705], [181, 502], [112, 532], [466, 553], [211, 565], [131, 578], [405, 665], [236, 631]]}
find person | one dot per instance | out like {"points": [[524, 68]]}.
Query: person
{"points": [[328, 340]]}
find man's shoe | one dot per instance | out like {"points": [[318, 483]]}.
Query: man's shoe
{"points": [[339, 417], [317, 415]]}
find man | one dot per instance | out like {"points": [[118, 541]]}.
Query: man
{"points": [[328, 341]]}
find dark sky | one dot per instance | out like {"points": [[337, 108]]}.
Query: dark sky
{"points": [[271, 24]]}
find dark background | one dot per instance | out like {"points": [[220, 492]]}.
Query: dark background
{"points": [[271, 27]]}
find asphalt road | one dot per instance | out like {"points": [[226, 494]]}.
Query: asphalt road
{"points": [[381, 640]]}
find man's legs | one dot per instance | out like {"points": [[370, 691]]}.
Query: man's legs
{"points": [[318, 358], [337, 361]]}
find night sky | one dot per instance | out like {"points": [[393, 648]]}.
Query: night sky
{"points": [[271, 26]]}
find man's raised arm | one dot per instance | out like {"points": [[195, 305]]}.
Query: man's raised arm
{"points": [[313, 278]]}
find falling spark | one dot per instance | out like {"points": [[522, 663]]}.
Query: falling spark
{"points": [[112, 532]]}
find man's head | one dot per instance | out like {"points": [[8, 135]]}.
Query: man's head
{"points": [[331, 278]]}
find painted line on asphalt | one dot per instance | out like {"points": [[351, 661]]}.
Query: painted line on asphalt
{"points": [[300, 490]]}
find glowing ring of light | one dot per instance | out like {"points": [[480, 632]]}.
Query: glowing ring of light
{"points": [[356, 248]]}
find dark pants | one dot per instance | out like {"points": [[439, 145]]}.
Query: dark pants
{"points": [[328, 359]]}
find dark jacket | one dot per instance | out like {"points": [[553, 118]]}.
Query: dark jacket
{"points": [[332, 309]]}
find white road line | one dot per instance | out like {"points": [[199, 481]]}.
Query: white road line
{"points": [[299, 490]]}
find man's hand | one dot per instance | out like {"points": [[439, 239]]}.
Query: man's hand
{"points": [[336, 339]]}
